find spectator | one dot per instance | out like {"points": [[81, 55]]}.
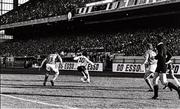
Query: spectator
{"points": [[36, 9], [129, 43]]}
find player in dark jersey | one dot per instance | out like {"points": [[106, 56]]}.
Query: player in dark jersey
{"points": [[163, 56]]}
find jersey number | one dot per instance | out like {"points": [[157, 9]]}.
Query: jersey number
{"points": [[82, 60]]}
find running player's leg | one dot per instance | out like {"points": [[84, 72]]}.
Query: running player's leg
{"points": [[171, 74], [48, 69], [175, 79], [163, 78], [46, 78], [84, 78], [54, 77], [164, 81], [167, 73], [155, 83], [88, 77], [81, 70], [147, 76], [86, 73], [56, 70]]}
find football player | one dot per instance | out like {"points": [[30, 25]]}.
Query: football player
{"points": [[52, 64], [82, 64], [162, 56], [170, 72], [150, 64]]}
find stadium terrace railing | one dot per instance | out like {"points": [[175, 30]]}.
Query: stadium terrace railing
{"points": [[34, 22], [120, 5]]}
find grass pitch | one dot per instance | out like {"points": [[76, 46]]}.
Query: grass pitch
{"points": [[26, 91]]}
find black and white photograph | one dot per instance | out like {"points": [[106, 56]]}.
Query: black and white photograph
{"points": [[89, 54]]}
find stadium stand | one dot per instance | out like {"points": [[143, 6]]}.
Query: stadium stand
{"points": [[128, 43], [125, 34], [36, 9]]}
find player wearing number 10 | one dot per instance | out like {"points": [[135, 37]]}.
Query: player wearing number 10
{"points": [[82, 64], [52, 64]]}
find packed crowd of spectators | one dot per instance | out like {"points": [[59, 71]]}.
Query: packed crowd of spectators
{"points": [[127, 43], [36, 9]]}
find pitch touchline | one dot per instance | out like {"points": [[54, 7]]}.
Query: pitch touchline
{"points": [[39, 102]]}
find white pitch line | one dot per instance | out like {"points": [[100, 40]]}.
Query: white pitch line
{"points": [[39, 102]]}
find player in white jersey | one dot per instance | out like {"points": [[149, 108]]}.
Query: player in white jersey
{"points": [[82, 64], [150, 64], [170, 72], [52, 64]]}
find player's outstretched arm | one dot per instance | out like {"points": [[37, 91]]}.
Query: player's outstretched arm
{"points": [[61, 61], [89, 61], [146, 58], [169, 62], [42, 63], [76, 57]]}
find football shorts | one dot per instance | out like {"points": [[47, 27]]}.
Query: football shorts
{"points": [[81, 68], [151, 67], [53, 67]]}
